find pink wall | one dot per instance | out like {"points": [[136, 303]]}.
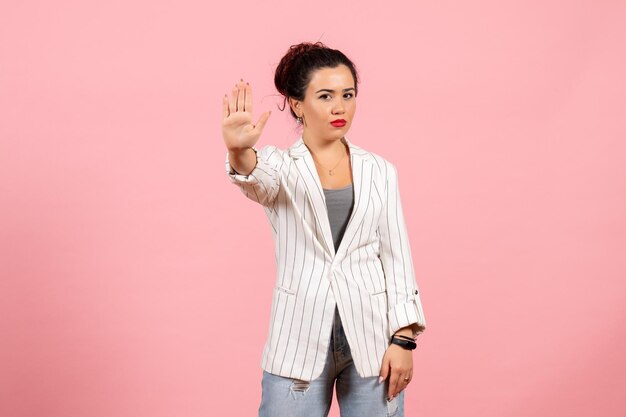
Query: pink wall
{"points": [[129, 263]]}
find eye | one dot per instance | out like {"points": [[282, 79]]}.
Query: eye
{"points": [[328, 95]]}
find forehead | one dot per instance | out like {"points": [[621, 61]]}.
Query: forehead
{"points": [[333, 78]]}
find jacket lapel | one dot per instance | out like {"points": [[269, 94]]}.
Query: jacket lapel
{"points": [[362, 182]]}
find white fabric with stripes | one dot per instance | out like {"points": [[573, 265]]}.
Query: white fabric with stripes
{"points": [[370, 278]]}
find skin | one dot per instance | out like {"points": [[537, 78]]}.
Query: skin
{"points": [[336, 101], [317, 109]]}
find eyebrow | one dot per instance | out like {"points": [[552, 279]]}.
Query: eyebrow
{"points": [[332, 91]]}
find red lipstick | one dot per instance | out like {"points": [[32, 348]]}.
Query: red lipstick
{"points": [[338, 123]]}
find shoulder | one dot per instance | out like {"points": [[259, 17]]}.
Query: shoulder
{"points": [[268, 151], [271, 155], [383, 166]]}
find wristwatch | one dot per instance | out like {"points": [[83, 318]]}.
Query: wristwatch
{"points": [[407, 344]]}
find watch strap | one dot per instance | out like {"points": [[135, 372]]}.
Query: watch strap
{"points": [[407, 344]]}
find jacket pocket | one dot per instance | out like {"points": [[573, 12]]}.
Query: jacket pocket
{"points": [[285, 290], [380, 302]]}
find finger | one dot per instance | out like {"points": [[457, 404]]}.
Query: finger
{"points": [[248, 98], [393, 383], [240, 95], [233, 99], [226, 110], [400, 383], [262, 121], [384, 369]]}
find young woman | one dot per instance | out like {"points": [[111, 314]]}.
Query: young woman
{"points": [[345, 307]]}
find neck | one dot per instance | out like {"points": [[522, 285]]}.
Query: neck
{"points": [[326, 147]]}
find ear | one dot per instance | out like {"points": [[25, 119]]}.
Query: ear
{"points": [[295, 105]]}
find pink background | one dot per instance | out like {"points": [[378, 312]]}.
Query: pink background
{"points": [[136, 280]]}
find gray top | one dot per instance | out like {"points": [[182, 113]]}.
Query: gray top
{"points": [[339, 202]]}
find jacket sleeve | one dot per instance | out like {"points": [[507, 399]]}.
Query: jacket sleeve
{"points": [[403, 297], [262, 184]]}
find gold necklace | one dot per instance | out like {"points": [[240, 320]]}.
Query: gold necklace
{"points": [[330, 171]]}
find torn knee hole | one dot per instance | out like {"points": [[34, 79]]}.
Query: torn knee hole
{"points": [[298, 385]]}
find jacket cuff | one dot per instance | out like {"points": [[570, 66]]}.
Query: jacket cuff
{"points": [[405, 314], [252, 178]]}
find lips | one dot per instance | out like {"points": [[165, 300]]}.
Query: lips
{"points": [[338, 122]]}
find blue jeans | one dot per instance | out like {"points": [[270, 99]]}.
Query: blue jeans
{"points": [[357, 396]]}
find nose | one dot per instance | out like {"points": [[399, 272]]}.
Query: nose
{"points": [[338, 108]]}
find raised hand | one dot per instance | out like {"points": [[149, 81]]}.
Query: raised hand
{"points": [[238, 129]]}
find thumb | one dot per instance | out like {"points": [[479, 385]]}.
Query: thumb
{"points": [[384, 370], [260, 124]]}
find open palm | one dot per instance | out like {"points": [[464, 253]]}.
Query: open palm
{"points": [[238, 129]]}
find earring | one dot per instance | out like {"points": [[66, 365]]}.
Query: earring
{"points": [[299, 120]]}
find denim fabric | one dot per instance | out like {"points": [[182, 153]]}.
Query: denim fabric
{"points": [[357, 396]]}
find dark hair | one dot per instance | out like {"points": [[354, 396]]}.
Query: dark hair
{"points": [[295, 69]]}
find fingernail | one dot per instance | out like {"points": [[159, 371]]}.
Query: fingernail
{"points": [[380, 379]]}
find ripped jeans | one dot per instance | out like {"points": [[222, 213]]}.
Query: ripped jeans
{"points": [[357, 396]]}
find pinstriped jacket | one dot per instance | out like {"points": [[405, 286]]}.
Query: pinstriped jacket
{"points": [[370, 279]]}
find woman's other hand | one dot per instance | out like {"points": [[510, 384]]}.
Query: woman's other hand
{"points": [[397, 365], [237, 128]]}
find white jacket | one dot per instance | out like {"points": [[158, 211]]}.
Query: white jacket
{"points": [[370, 279]]}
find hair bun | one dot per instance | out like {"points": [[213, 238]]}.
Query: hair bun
{"points": [[304, 47], [294, 53]]}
